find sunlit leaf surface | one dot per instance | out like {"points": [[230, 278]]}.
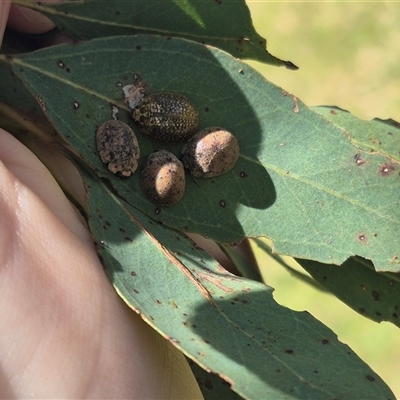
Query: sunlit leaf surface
{"points": [[230, 326], [300, 180], [223, 24]]}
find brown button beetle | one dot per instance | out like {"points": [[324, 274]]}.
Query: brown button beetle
{"points": [[210, 152], [163, 178], [118, 147], [167, 117]]}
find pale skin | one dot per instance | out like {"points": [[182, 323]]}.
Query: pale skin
{"points": [[65, 333]]}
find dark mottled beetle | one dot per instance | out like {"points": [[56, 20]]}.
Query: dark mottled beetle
{"points": [[167, 117], [118, 147]]}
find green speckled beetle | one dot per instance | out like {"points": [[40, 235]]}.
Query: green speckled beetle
{"points": [[167, 117]]}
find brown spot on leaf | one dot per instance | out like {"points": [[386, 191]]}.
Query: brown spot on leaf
{"points": [[375, 295], [370, 378], [208, 384], [295, 104], [386, 169], [41, 102], [333, 112], [222, 203], [289, 351], [362, 238], [359, 160]]}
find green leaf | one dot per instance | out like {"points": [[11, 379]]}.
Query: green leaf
{"points": [[376, 136], [230, 326], [269, 254], [14, 93], [298, 180], [372, 294], [212, 386], [223, 24]]}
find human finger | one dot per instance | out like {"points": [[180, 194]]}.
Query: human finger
{"points": [[65, 332], [28, 21]]}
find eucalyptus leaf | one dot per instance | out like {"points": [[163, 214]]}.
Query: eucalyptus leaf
{"points": [[298, 180], [211, 385], [13, 93], [223, 24], [375, 295], [375, 136], [228, 325]]}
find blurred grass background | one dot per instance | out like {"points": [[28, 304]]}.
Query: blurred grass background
{"points": [[348, 54]]}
